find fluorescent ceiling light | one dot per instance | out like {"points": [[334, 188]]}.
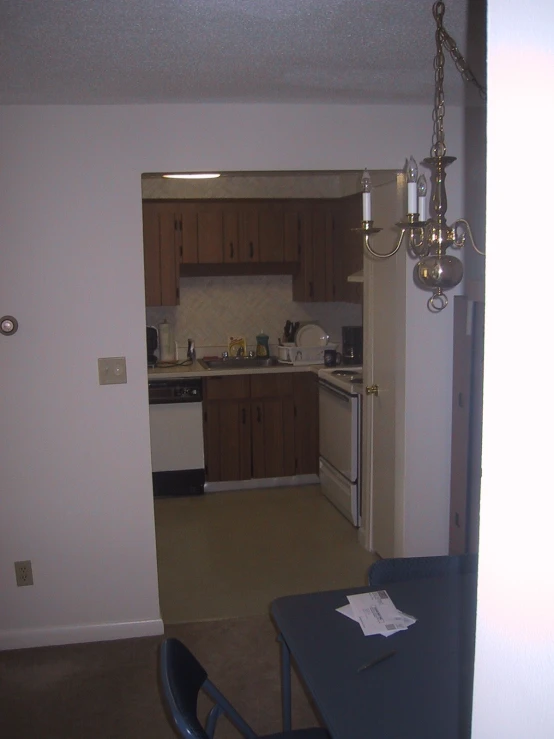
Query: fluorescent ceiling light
{"points": [[193, 176]]}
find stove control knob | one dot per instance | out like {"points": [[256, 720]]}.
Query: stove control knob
{"points": [[372, 390], [8, 325]]}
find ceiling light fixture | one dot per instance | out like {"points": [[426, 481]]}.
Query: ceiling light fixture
{"points": [[192, 176], [428, 238]]}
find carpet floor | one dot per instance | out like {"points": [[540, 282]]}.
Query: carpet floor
{"points": [[111, 689]]}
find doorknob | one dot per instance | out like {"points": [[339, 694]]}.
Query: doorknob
{"points": [[372, 390]]}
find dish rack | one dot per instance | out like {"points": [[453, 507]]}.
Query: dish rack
{"points": [[298, 355]]}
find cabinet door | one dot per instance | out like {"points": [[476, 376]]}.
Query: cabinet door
{"points": [[292, 225], [323, 252], [186, 224], [272, 438], [249, 246], [271, 232], [227, 440], [161, 266], [227, 430], [303, 279], [272, 410], [349, 249], [306, 423], [210, 233], [230, 234]]}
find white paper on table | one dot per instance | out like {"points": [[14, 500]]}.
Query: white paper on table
{"points": [[347, 611], [377, 614]]}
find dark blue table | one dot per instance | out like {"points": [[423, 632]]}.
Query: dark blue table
{"points": [[423, 692]]}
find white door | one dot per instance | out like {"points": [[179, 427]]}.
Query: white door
{"points": [[384, 300]]}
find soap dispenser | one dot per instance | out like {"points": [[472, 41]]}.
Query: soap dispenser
{"points": [[262, 344]]}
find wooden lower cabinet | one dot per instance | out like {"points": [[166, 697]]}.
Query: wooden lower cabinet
{"points": [[260, 426], [227, 428], [306, 423], [272, 415]]}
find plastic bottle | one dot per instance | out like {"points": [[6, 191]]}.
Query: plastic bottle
{"points": [[262, 344]]}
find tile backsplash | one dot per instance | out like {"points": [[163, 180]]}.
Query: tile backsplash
{"points": [[214, 308]]}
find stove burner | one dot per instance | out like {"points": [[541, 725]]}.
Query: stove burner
{"points": [[349, 374]]}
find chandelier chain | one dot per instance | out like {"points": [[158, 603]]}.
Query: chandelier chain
{"points": [[438, 148], [444, 39]]}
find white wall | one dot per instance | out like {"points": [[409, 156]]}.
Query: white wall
{"points": [[514, 665], [76, 492]]}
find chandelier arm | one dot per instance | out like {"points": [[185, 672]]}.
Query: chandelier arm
{"points": [[376, 254], [462, 222]]}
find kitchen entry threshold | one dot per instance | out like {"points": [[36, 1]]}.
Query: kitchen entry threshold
{"points": [[266, 482]]}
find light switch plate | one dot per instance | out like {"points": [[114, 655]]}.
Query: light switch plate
{"points": [[112, 370]]}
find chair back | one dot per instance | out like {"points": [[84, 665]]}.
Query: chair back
{"points": [[399, 569], [182, 678]]}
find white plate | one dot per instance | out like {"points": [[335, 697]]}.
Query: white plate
{"points": [[311, 335]]}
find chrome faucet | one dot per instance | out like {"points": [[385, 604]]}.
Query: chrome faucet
{"points": [[191, 350]]}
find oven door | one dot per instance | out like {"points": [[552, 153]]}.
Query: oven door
{"points": [[338, 430]]}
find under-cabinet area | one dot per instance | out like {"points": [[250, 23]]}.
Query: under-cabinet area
{"points": [[260, 426]]}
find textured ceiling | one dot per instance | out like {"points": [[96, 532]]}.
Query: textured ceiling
{"points": [[180, 51]]}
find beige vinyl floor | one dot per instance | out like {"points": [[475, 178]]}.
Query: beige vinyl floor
{"points": [[229, 554]]}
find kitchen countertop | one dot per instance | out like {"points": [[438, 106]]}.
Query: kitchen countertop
{"points": [[196, 370]]}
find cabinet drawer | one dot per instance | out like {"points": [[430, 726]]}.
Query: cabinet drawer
{"points": [[227, 388], [269, 386]]}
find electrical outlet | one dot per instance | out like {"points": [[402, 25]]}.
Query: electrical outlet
{"points": [[23, 573]]}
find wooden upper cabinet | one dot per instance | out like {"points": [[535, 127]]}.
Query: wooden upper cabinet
{"points": [[161, 257], [186, 226], [293, 229], [210, 233], [349, 248], [316, 277], [230, 234], [272, 232], [249, 234]]}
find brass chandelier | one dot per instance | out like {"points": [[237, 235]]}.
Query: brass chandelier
{"points": [[428, 238]]}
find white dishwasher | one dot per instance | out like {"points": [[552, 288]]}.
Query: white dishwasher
{"points": [[176, 436]]}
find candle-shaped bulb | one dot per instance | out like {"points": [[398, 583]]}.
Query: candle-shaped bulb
{"points": [[366, 196], [422, 197], [412, 170], [411, 175]]}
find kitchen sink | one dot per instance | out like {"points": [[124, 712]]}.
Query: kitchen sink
{"points": [[231, 363]]}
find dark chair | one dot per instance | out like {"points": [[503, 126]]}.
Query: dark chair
{"points": [[182, 679], [385, 571]]}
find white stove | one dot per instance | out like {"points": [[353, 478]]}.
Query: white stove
{"points": [[340, 430], [348, 379]]}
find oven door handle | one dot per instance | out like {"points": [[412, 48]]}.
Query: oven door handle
{"points": [[340, 395]]}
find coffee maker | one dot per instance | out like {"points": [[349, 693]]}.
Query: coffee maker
{"points": [[352, 345]]}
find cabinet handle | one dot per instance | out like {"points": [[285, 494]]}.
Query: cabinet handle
{"points": [[259, 414], [232, 250], [251, 250]]}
